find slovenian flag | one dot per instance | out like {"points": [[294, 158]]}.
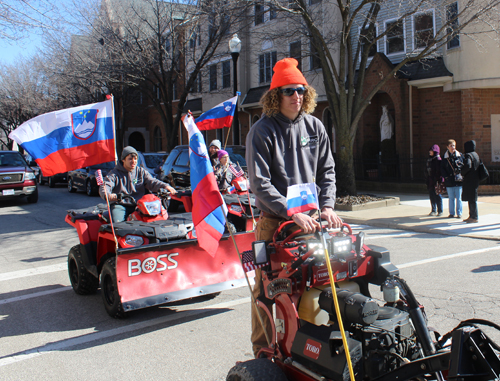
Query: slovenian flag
{"points": [[218, 117], [301, 198], [69, 139], [209, 209]]}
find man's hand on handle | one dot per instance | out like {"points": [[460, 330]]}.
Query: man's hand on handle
{"points": [[309, 224]]}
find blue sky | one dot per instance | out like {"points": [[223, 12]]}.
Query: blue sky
{"points": [[9, 50]]}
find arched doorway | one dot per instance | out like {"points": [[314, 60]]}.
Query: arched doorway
{"points": [[136, 140]]}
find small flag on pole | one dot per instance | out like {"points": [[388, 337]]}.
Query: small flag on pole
{"points": [[98, 177], [301, 198], [236, 170]]}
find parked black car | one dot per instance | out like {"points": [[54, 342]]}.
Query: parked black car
{"points": [[177, 163], [84, 178], [52, 180]]}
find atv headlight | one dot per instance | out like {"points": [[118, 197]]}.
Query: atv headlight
{"points": [[153, 207], [134, 240], [29, 176]]}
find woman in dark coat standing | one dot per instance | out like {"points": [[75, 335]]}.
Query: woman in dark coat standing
{"points": [[433, 176], [471, 180]]}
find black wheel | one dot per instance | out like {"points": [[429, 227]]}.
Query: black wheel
{"points": [[109, 290], [71, 188], [33, 198], [41, 181], [52, 183], [256, 370], [89, 189], [83, 282]]}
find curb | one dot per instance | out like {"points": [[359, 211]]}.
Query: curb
{"points": [[418, 229]]}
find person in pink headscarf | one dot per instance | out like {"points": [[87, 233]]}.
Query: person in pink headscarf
{"points": [[222, 173]]}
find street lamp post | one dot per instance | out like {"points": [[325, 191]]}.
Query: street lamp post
{"points": [[235, 48]]}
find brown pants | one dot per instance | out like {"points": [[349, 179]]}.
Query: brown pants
{"points": [[264, 231]]}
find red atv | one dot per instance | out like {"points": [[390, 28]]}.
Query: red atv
{"points": [[154, 260], [386, 342], [242, 212]]}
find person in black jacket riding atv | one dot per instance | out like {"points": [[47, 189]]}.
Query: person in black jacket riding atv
{"points": [[131, 180]]}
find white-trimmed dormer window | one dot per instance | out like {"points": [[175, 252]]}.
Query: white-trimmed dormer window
{"points": [[395, 37], [423, 29], [453, 25]]}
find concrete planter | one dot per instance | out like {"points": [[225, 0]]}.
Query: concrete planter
{"points": [[387, 201]]}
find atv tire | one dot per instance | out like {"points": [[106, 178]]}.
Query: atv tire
{"points": [[256, 370], [52, 182], [82, 281], [41, 181], [89, 189], [109, 290]]}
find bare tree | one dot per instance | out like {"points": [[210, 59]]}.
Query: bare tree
{"points": [[24, 93], [155, 50], [342, 52], [17, 17]]}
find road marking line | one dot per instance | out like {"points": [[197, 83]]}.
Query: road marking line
{"points": [[449, 256], [88, 338], [370, 237], [33, 271], [34, 295]]}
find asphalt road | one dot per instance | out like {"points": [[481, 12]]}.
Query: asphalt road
{"points": [[47, 332]]}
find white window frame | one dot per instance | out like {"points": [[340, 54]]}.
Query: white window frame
{"points": [[385, 37], [414, 48]]}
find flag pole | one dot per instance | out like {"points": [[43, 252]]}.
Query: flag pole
{"points": [[114, 123]]}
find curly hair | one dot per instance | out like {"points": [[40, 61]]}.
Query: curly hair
{"points": [[270, 101]]}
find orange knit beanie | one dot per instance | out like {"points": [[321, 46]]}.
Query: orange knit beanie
{"points": [[286, 72]]}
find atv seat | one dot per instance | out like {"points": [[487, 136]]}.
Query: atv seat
{"points": [[175, 228], [91, 213]]}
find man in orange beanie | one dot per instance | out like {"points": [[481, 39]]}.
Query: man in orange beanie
{"points": [[289, 147]]}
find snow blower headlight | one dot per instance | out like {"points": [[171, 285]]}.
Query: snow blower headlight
{"points": [[340, 246], [317, 246], [153, 207]]}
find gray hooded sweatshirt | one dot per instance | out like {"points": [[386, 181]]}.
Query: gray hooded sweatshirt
{"points": [[134, 183], [281, 152]]}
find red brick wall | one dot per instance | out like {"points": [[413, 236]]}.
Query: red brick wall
{"points": [[436, 118], [477, 107]]}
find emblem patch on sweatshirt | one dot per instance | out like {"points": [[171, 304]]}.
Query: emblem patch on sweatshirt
{"points": [[308, 141]]}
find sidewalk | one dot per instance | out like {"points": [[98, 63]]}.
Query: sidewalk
{"points": [[413, 214]]}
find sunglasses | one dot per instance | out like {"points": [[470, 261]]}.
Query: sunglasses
{"points": [[290, 91]]}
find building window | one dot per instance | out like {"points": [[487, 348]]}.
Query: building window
{"points": [[296, 52], [315, 62], [212, 29], [423, 29], [453, 25], [174, 91], [259, 14], [266, 64], [226, 74], [366, 37], [195, 39], [196, 88], [157, 139], [273, 14], [213, 77], [394, 40], [312, 2]]}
